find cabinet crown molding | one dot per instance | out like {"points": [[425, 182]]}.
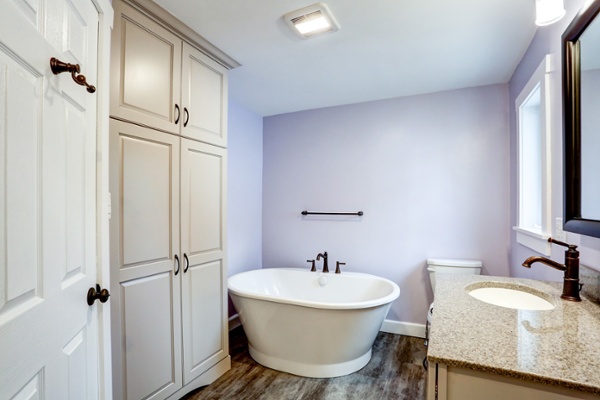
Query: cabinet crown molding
{"points": [[169, 21]]}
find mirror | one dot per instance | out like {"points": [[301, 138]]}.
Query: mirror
{"points": [[581, 116]]}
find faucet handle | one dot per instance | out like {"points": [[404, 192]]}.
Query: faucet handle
{"points": [[337, 267], [313, 269], [571, 247]]}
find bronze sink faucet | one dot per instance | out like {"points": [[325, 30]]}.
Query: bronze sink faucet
{"points": [[571, 286]]}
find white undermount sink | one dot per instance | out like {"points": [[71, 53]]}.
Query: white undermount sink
{"points": [[511, 296]]}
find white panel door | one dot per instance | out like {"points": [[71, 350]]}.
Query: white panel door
{"points": [[203, 292], [145, 243], [48, 333], [204, 92]]}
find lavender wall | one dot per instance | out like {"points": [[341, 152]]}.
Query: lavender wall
{"points": [[546, 41], [430, 173], [244, 204]]}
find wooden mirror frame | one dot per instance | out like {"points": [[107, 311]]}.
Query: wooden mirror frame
{"points": [[571, 80]]}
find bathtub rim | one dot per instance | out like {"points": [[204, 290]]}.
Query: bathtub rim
{"points": [[316, 304]]}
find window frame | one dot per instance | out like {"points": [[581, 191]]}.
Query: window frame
{"points": [[536, 239]]}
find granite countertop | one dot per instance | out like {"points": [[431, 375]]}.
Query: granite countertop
{"points": [[557, 347]]}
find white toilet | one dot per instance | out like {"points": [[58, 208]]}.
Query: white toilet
{"points": [[437, 266]]}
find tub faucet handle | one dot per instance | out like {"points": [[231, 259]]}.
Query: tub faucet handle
{"points": [[337, 267], [313, 269]]}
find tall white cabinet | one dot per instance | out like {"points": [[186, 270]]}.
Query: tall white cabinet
{"points": [[168, 189]]}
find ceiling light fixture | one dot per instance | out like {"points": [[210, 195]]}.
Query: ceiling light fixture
{"points": [[312, 21], [548, 11]]}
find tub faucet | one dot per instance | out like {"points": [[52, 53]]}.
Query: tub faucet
{"points": [[324, 257], [571, 286]]}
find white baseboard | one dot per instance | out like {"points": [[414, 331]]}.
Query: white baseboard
{"points": [[234, 322], [388, 326], [403, 328]]}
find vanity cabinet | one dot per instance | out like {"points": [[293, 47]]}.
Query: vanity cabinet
{"points": [[479, 350], [168, 192], [455, 383], [163, 82]]}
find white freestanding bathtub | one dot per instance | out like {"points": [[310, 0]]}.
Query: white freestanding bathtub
{"points": [[310, 323]]}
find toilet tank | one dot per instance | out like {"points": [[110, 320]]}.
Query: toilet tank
{"points": [[449, 266]]}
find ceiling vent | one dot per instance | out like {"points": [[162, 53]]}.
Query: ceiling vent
{"points": [[312, 21]]}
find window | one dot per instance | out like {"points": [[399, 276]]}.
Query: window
{"points": [[533, 135]]}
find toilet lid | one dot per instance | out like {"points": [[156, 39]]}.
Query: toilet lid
{"points": [[454, 262]]}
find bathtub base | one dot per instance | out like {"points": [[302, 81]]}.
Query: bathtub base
{"points": [[310, 370]]}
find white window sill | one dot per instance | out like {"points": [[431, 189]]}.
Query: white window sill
{"points": [[536, 241]]}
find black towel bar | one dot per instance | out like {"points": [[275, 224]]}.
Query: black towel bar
{"points": [[359, 213]]}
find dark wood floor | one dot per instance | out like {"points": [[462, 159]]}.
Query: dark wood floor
{"points": [[394, 372]]}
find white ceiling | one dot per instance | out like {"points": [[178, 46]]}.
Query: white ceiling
{"points": [[384, 49]]}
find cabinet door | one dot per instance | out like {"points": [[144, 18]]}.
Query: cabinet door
{"points": [[144, 240], [146, 71], [204, 91], [204, 305]]}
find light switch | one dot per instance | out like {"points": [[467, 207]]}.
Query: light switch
{"points": [[559, 233]]}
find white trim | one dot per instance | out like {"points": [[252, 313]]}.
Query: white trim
{"points": [[105, 24], [534, 240], [207, 377], [537, 241], [403, 328]]}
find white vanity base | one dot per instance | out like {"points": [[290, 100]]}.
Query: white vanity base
{"points": [[455, 383]]}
